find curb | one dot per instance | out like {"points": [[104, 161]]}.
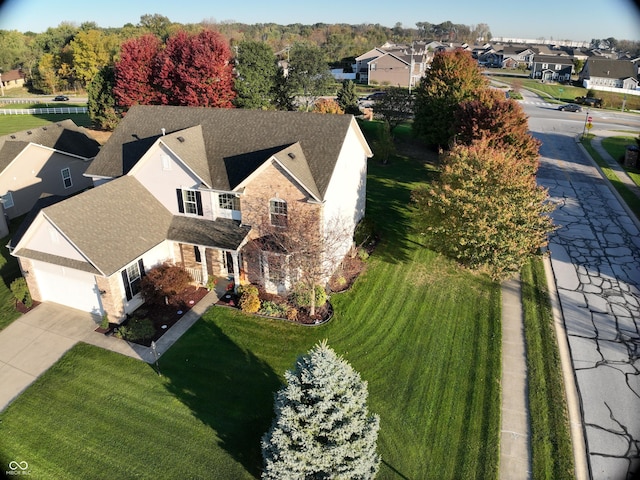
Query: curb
{"points": [[574, 402]]}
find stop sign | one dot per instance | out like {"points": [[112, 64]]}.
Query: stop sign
{"points": [[589, 119]]}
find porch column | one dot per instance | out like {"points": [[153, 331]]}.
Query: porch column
{"points": [[203, 264], [236, 269]]}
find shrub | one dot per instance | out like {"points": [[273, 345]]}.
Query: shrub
{"points": [[249, 299], [164, 283], [273, 309], [302, 297], [20, 291], [292, 314], [138, 329]]}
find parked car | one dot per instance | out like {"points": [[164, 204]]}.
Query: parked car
{"points": [[61, 98], [369, 100], [570, 107], [589, 101]]}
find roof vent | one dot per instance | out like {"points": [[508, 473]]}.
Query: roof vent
{"points": [[291, 155], [13, 136], [181, 139], [164, 131], [29, 132]]}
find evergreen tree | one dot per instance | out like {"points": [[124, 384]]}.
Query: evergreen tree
{"points": [[453, 78], [101, 102], [283, 93], [256, 71], [347, 98], [322, 427]]}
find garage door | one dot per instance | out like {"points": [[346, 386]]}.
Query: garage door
{"points": [[73, 288]]}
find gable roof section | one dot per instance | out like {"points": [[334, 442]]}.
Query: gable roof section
{"points": [[113, 223], [188, 145], [231, 137], [605, 68], [556, 59], [64, 136]]}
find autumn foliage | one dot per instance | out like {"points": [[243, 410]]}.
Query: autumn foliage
{"points": [[485, 211], [189, 70], [164, 283], [499, 120]]}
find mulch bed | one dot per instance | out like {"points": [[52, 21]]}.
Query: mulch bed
{"points": [[22, 308], [164, 317], [322, 315]]}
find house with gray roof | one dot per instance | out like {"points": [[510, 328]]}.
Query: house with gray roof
{"points": [[192, 186], [48, 160], [607, 74], [557, 68]]}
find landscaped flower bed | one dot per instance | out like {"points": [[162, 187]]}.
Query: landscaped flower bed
{"points": [[161, 317]]}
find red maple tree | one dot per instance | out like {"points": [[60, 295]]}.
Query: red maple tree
{"points": [[190, 70], [134, 72], [196, 70]]}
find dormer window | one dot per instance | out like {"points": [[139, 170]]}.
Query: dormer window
{"points": [[189, 201]]}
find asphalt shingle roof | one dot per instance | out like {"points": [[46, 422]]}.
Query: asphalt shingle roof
{"points": [[64, 136], [112, 224], [233, 139]]}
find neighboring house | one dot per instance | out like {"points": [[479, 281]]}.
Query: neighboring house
{"points": [[606, 74], [12, 79], [49, 160], [395, 65], [515, 55], [557, 68], [191, 186]]}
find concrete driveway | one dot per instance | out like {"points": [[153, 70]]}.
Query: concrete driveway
{"points": [[35, 341]]}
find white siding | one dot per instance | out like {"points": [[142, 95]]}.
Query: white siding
{"points": [[46, 238], [346, 194], [160, 253], [162, 182]]}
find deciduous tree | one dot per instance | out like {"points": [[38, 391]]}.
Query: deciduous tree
{"points": [[135, 74], [327, 105], [309, 73], [256, 71], [485, 211], [453, 78], [395, 106], [92, 50], [196, 70], [322, 428], [499, 120]]}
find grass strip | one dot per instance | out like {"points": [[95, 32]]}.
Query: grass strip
{"points": [[627, 195], [552, 455]]}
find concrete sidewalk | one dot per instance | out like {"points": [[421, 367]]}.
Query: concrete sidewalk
{"points": [[38, 339], [515, 446]]}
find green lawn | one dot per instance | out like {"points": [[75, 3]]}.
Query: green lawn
{"points": [[18, 123], [552, 455], [9, 271], [424, 334], [627, 195]]}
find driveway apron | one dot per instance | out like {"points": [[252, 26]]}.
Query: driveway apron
{"points": [[595, 256]]}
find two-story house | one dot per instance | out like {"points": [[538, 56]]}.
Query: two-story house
{"points": [[557, 68], [395, 65], [48, 160], [190, 186]]}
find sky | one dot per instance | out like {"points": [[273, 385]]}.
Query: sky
{"points": [[575, 20]]}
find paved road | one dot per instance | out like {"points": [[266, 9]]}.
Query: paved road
{"points": [[595, 255]]}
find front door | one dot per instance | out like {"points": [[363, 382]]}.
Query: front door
{"points": [[228, 262]]}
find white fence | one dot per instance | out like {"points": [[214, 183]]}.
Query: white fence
{"points": [[40, 111]]}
